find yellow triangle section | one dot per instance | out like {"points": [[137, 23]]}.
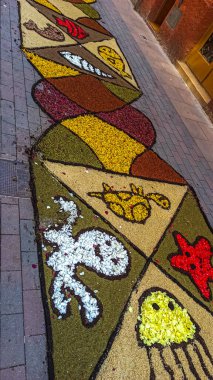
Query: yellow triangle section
{"points": [[84, 182], [49, 69], [47, 4], [131, 359], [109, 52], [68, 9], [114, 148], [32, 39]]}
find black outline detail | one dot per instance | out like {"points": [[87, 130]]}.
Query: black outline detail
{"points": [[88, 71], [55, 248], [120, 59], [166, 366], [180, 253], [39, 7], [39, 31], [97, 115], [44, 297], [131, 194], [81, 44], [179, 365], [95, 211], [48, 328], [159, 346], [173, 346]]}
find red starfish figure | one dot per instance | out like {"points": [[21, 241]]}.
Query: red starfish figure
{"points": [[194, 259]]}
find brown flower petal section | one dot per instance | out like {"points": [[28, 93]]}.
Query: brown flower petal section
{"points": [[94, 97], [149, 165], [86, 21]]}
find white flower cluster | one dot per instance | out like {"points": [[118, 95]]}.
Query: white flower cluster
{"points": [[95, 249], [81, 63]]}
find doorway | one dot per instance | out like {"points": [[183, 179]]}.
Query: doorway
{"points": [[200, 61]]}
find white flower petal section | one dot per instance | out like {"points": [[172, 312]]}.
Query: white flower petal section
{"points": [[95, 249], [81, 63]]}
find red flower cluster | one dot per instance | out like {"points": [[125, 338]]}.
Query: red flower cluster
{"points": [[54, 103], [73, 29], [195, 259]]}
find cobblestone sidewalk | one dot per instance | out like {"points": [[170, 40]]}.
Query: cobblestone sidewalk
{"points": [[184, 139]]}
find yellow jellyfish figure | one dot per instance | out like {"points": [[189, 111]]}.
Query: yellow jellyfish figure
{"points": [[165, 327]]}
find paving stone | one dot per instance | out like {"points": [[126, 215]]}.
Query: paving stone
{"points": [[20, 103], [33, 307], [29, 84], [6, 79], [21, 119], [6, 66], [7, 109], [7, 92], [6, 55], [9, 219], [14, 373], [18, 75], [27, 235], [30, 271], [23, 137], [19, 65], [10, 253], [12, 341], [29, 73], [36, 367], [9, 200], [35, 130], [11, 292], [19, 89], [206, 148], [8, 146], [33, 115], [7, 128], [23, 178], [30, 101], [26, 208]]}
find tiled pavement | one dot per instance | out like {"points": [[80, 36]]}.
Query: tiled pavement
{"points": [[184, 139]]}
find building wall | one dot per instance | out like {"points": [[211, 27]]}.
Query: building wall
{"points": [[197, 16]]}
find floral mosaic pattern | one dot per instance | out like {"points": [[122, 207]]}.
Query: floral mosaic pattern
{"points": [[107, 236], [195, 260], [133, 206], [163, 322], [96, 250]]}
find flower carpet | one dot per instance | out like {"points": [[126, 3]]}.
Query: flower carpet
{"points": [[125, 251]]}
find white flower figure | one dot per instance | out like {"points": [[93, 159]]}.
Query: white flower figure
{"points": [[96, 250]]}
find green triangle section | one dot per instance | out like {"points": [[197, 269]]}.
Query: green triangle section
{"points": [[127, 95], [88, 10], [83, 181], [76, 349], [60, 144], [191, 224]]}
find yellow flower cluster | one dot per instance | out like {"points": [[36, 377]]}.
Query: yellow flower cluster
{"points": [[47, 4], [49, 69], [99, 135], [163, 321]]}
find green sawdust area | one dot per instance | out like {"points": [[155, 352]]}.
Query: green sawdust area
{"points": [[190, 223], [88, 10], [127, 96], [77, 349], [60, 144]]}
